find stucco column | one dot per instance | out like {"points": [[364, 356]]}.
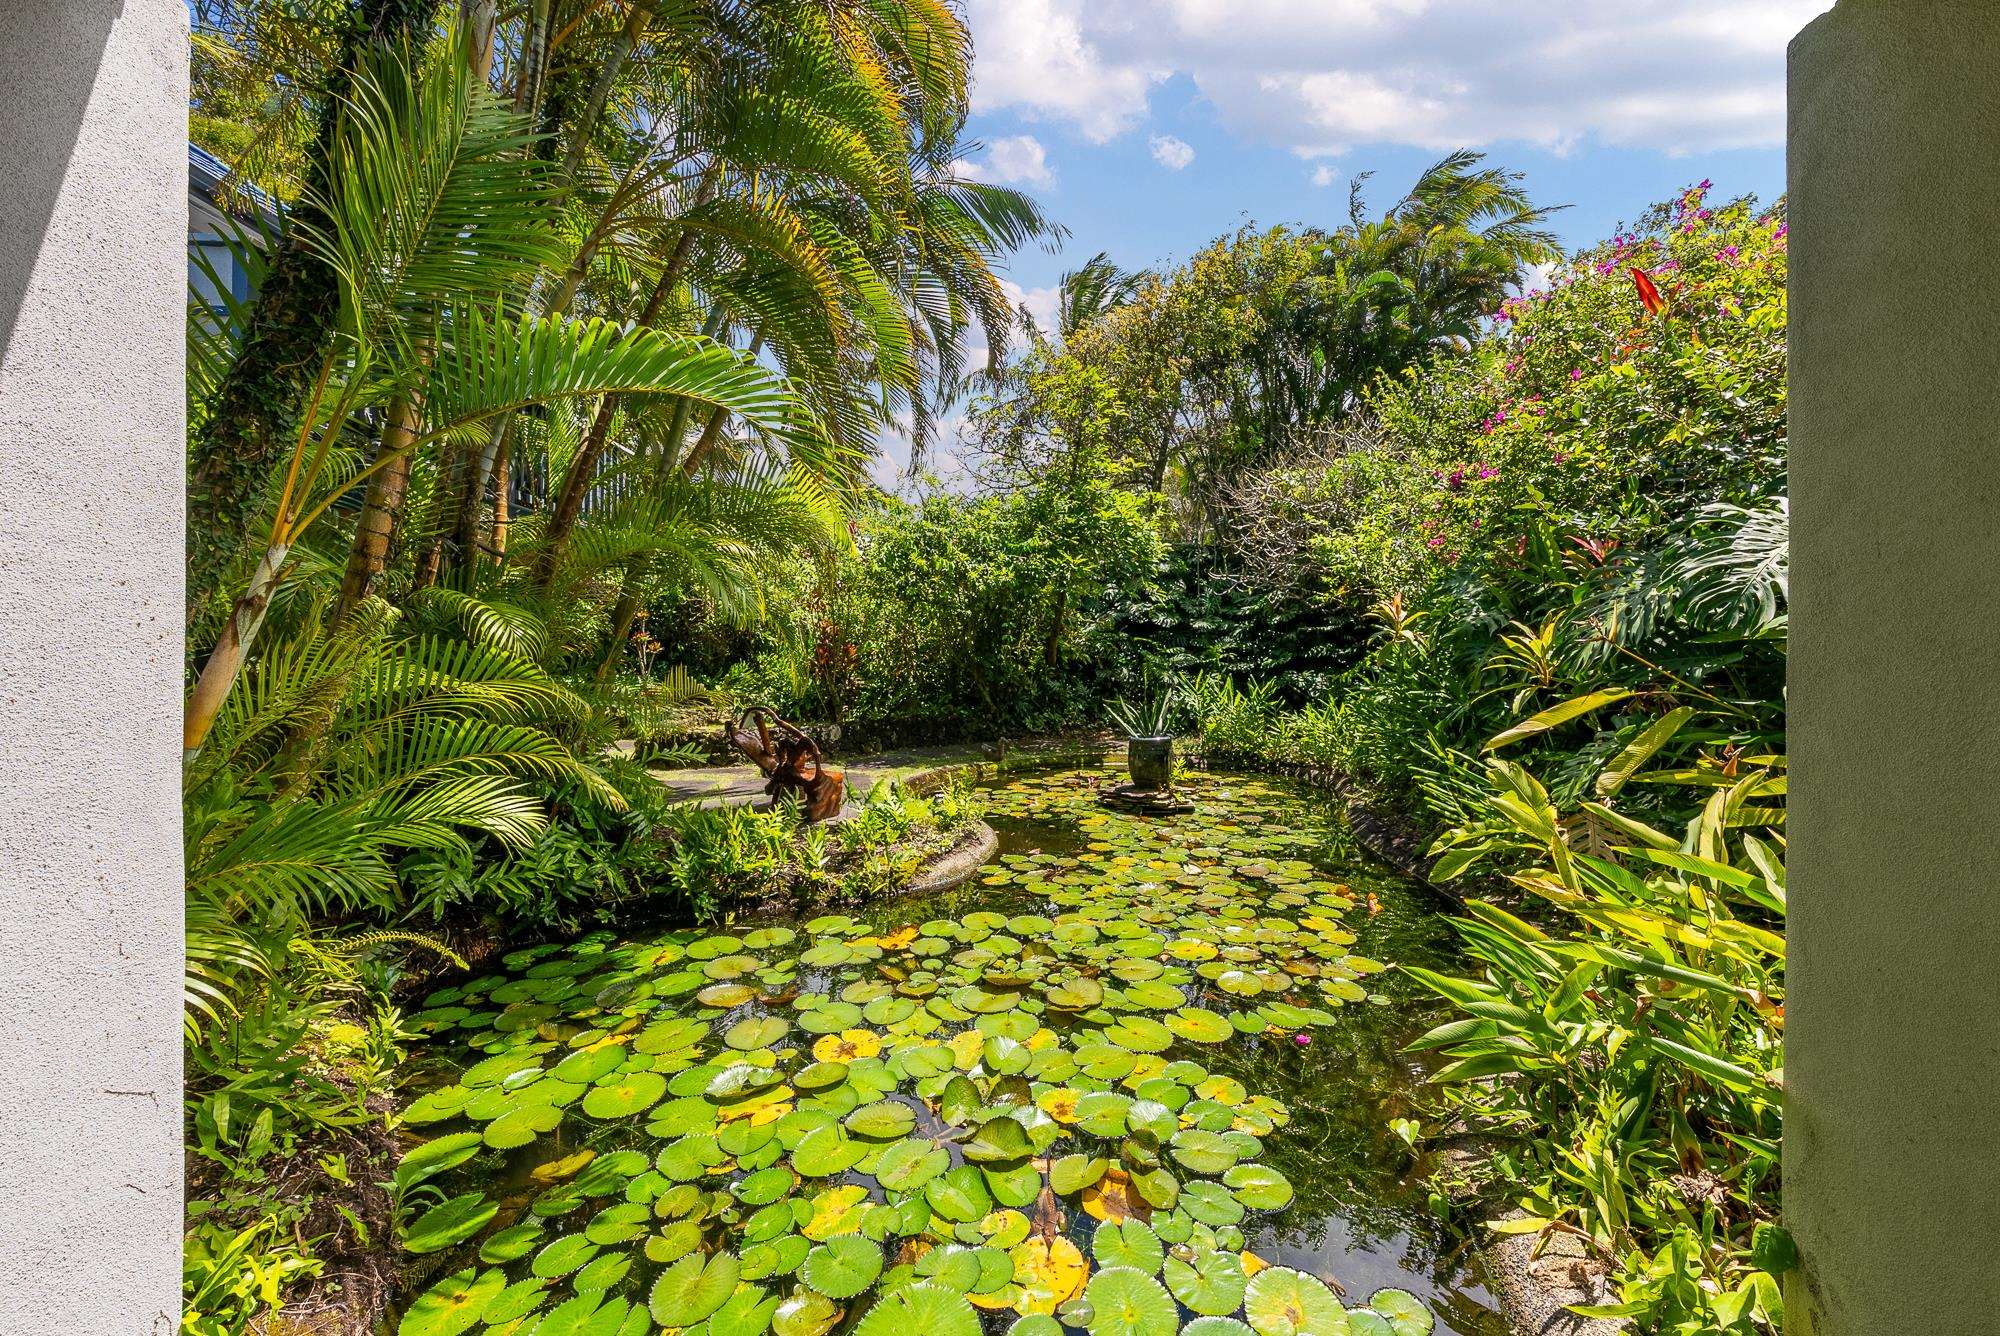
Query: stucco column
{"points": [[1892, 1110], [93, 216]]}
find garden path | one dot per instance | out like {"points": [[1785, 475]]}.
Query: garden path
{"points": [[736, 785]]}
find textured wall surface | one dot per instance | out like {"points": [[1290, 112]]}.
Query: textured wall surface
{"points": [[92, 271], [1892, 1122]]}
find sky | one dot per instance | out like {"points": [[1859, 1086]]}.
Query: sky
{"points": [[1150, 127]]}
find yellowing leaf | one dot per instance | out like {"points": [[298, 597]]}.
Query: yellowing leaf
{"points": [[1047, 1274]]}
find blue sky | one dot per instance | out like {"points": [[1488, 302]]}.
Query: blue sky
{"points": [[1149, 127]]}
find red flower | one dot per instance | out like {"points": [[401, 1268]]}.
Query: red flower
{"points": [[1649, 296]]}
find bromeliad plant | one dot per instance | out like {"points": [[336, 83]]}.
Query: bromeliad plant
{"points": [[1631, 1067]]}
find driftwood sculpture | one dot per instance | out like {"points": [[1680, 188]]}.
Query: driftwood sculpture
{"points": [[790, 761]]}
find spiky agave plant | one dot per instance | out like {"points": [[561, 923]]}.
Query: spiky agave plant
{"points": [[1150, 716]]}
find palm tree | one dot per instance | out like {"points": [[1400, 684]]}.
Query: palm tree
{"points": [[1096, 289], [430, 211], [258, 402]]}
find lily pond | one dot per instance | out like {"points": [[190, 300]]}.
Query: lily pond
{"points": [[1136, 1078]]}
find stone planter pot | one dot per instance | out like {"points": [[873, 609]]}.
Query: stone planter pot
{"points": [[1151, 762]]}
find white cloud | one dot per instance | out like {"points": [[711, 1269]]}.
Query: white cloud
{"points": [[1171, 151], [1321, 76], [1034, 57], [1042, 304], [1012, 160], [1325, 175]]}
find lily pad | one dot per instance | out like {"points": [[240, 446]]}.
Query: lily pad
{"points": [[843, 1266], [920, 1308], [758, 1033], [1126, 1302], [693, 1288], [632, 1092], [453, 1305], [452, 1222], [1210, 1283], [1284, 1302], [1405, 1313], [1259, 1187]]}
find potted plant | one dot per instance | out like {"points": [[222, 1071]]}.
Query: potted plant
{"points": [[1149, 744]]}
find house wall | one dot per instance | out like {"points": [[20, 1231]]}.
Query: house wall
{"points": [[93, 231], [1892, 1072]]}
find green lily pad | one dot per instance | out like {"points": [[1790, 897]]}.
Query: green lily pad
{"points": [[518, 1300], [453, 1305], [1211, 1283], [805, 1314], [437, 1105], [760, 1032], [764, 1187], [1201, 1026], [519, 1126], [748, 1312], [434, 1157], [843, 1266], [1284, 1302], [1202, 1152], [632, 1092], [882, 1119], [909, 1165], [1073, 1173], [1127, 1302], [562, 1256], [998, 1141], [920, 1308], [452, 1222], [959, 1194], [1036, 1324], [1130, 1245], [1404, 1311], [826, 1152], [512, 1243], [693, 1288], [1259, 1187]]}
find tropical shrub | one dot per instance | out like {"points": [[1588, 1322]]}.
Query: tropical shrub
{"points": [[965, 616], [1626, 1067]]}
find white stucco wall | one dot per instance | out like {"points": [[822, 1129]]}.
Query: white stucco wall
{"points": [[93, 226]]}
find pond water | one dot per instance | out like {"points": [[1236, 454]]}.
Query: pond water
{"points": [[1134, 1079]]}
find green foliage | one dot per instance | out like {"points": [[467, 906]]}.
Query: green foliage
{"points": [[1633, 1063], [714, 859], [964, 615]]}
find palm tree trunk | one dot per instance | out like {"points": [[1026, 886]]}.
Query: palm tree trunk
{"points": [[477, 18], [607, 76], [463, 550], [225, 662], [583, 469], [478, 471], [382, 513], [711, 431], [623, 614], [503, 481]]}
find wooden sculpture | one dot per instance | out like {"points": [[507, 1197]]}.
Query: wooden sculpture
{"points": [[790, 761]]}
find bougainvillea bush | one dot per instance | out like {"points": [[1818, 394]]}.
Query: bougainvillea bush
{"points": [[1591, 497]]}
